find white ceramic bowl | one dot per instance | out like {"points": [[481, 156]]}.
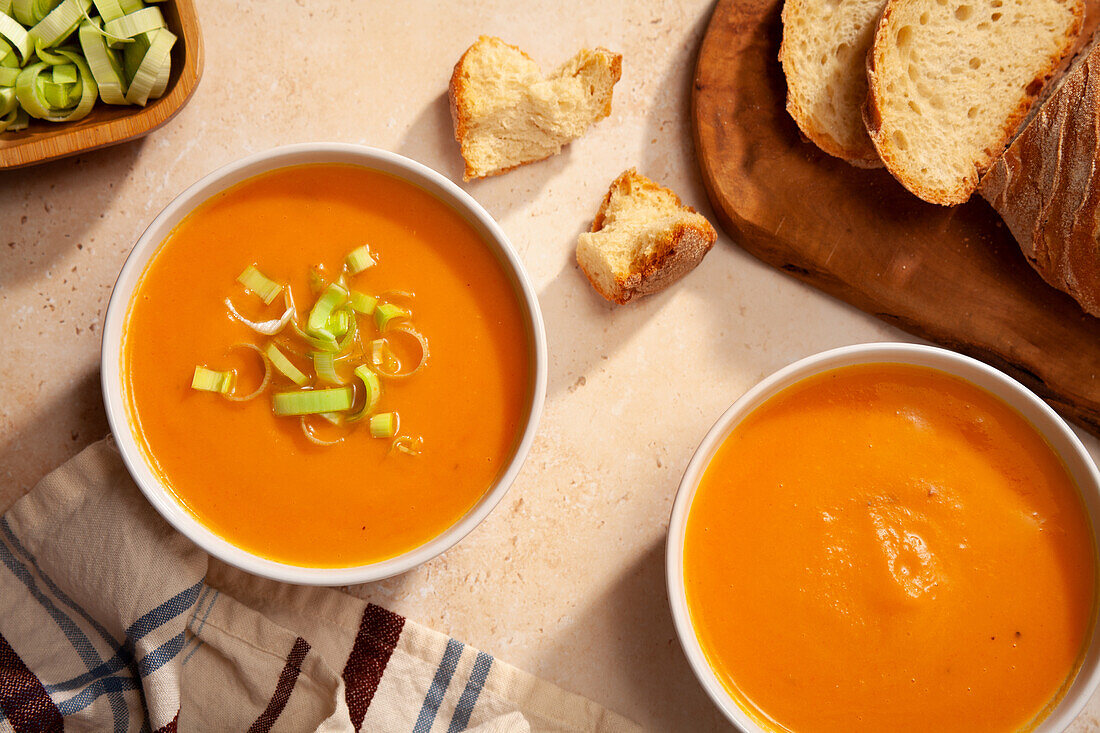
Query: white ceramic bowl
{"points": [[119, 417], [1052, 427]]}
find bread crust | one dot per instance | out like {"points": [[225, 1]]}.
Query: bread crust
{"points": [[861, 156], [1046, 186], [675, 256], [873, 117], [458, 89]]}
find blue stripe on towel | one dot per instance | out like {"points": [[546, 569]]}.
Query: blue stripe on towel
{"points": [[439, 685], [90, 657], [160, 656], [124, 655], [108, 685], [470, 693]]}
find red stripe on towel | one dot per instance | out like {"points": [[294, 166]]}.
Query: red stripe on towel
{"points": [[24, 700], [379, 630], [170, 726], [283, 687]]}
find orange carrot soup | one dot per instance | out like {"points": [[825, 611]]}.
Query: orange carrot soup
{"points": [[890, 548], [327, 365]]}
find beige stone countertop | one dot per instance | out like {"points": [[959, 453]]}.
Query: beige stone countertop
{"points": [[565, 578]]}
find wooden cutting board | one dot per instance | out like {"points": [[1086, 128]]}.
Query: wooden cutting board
{"points": [[954, 276]]}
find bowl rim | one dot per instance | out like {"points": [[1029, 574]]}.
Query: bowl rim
{"points": [[149, 242], [1050, 425]]}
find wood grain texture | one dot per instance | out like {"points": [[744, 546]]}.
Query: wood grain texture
{"points": [[110, 124], [954, 276]]}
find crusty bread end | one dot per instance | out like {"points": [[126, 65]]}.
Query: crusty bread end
{"points": [[642, 240]]}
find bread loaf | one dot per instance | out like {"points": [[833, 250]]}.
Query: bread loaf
{"points": [[506, 114], [824, 54], [643, 239], [950, 81], [1046, 186]]}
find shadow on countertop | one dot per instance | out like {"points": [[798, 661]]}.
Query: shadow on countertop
{"points": [[38, 226]]}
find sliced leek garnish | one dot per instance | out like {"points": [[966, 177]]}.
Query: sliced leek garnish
{"points": [[325, 366], [267, 328], [359, 259], [408, 445], [361, 302], [387, 312], [372, 391], [285, 366], [256, 282], [330, 337], [208, 380], [383, 425], [333, 297], [312, 401]]}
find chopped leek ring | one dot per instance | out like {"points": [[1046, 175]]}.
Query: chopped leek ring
{"points": [[383, 425], [333, 418], [382, 357], [333, 297], [325, 366], [267, 328], [30, 89], [285, 366], [16, 35], [104, 63], [308, 430], [408, 445], [361, 302], [322, 343], [145, 77], [338, 322], [5, 7], [29, 12], [256, 282], [263, 383], [132, 24], [60, 23], [353, 329], [208, 380], [17, 119], [8, 102], [372, 391], [65, 74], [313, 401], [385, 360], [386, 312], [109, 9], [359, 259]]}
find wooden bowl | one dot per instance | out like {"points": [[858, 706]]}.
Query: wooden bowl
{"points": [[110, 124]]}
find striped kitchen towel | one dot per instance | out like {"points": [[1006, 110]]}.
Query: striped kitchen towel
{"points": [[110, 620]]}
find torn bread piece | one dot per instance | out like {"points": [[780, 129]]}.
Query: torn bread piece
{"points": [[642, 240], [507, 114]]}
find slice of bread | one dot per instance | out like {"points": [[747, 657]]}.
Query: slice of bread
{"points": [[1046, 186], [642, 240], [506, 114], [824, 57], [950, 81]]}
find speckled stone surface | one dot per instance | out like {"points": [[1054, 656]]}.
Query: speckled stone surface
{"points": [[565, 578]]}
